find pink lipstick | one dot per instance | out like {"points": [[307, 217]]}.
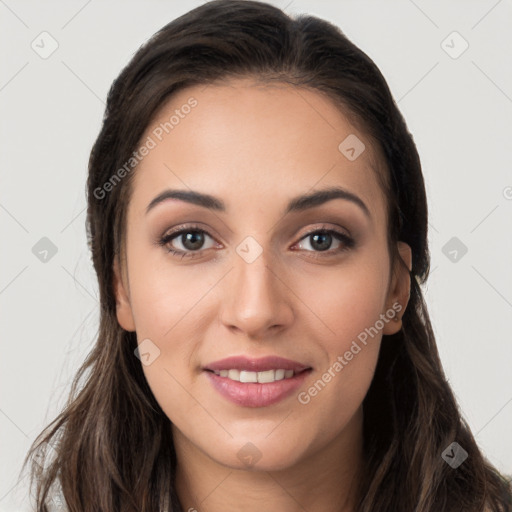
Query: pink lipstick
{"points": [[256, 382]]}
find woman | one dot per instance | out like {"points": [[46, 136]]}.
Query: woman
{"points": [[258, 224]]}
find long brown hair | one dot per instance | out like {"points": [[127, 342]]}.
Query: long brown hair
{"points": [[112, 444]]}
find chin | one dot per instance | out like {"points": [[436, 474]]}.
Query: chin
{"points": [[260, 454]]}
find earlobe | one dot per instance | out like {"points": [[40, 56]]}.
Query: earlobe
{"points": [[400, 292], [123, 307]]}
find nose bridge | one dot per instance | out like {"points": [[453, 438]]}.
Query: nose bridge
{"points": [[258, 300]]}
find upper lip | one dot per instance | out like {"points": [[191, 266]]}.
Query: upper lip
{"points": [[256, 365]]}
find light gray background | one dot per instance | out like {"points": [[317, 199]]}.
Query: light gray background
{"points": [[459, 111]]}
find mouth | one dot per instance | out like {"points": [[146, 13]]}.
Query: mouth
{"points": [[256, 382]]}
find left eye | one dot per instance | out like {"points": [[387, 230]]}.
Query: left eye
{"points": [[321, 240]]}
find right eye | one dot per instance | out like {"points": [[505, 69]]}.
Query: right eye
{"points": [[191, 238]]}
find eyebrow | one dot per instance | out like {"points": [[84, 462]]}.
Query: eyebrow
{"points": [[297, 204]]}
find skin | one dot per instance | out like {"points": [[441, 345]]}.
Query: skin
{"points": [[255, 147]]}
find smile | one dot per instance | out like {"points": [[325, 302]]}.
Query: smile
{"points": [[261, 377]]}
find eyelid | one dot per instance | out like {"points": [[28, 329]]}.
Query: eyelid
{"points": [[326, 227], [188, 226]]}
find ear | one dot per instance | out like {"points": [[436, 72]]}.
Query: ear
{"points": [[400, 289], [123, 307]]}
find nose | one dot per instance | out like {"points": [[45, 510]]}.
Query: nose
{"points": [[256, 298]]}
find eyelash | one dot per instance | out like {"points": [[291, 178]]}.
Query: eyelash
{"points": [[348, 242]]}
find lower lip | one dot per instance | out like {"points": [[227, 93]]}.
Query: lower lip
{"points": [[253, 394]]}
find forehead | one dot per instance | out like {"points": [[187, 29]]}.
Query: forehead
{"points": [[241, 139]]}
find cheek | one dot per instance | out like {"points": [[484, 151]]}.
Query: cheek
{"points": [[345, 302], [169, 307], [164, 295], [347, 329]]}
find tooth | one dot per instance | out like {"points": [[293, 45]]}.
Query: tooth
{"points": [[234, 374], [266, 376], [279, 375], [248, 376]]}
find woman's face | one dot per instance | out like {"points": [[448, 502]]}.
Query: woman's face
{"points": [[253, 277]]}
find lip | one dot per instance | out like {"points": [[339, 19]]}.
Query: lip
{"points": [[256, 365], [253, 394]]}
